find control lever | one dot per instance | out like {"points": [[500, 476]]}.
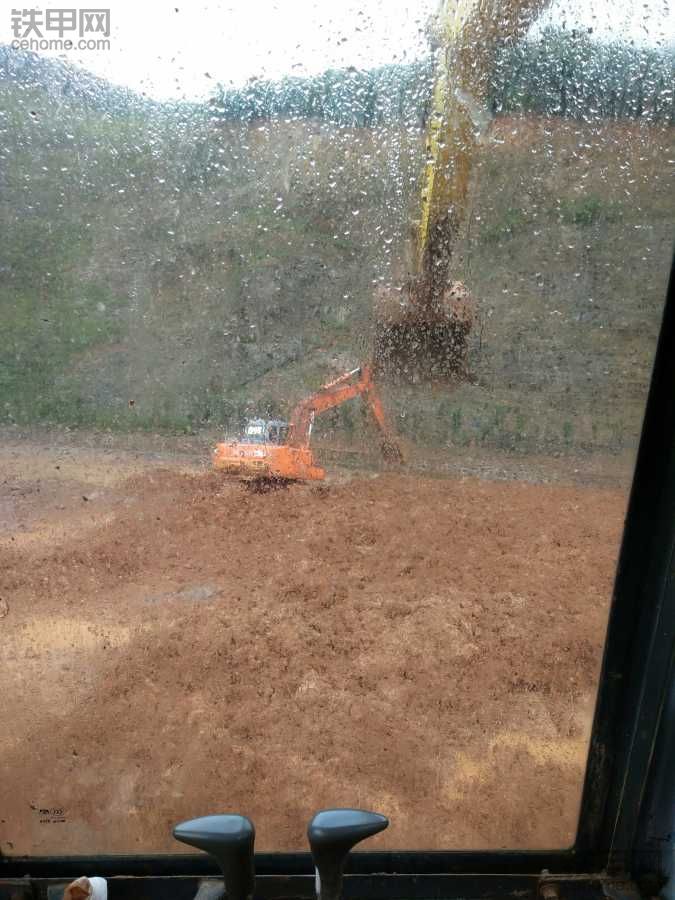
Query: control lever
{"points": [[332, 833], [229, 840]]}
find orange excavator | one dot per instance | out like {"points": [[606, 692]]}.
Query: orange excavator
{"points": [[279, 450]]}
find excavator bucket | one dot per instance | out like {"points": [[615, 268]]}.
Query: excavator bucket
{"points": [[391, 452], [416, 341]]}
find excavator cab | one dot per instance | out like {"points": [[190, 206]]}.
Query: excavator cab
{"points": [[265, 431], [261, 451]]}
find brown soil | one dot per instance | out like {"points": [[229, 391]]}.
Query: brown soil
{"points": [[176, 645]]}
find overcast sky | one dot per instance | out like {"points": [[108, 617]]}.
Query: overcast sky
{"points": [[172, 50]]}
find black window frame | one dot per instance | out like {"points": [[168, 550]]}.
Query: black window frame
{"points": [[623, 793]]}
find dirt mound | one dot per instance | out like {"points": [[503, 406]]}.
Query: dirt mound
{"points": [[424, 647]]}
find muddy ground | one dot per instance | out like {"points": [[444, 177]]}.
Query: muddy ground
{"points": [[174, 644]]}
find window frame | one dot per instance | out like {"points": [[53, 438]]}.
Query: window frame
{"points": [[635, 701]]}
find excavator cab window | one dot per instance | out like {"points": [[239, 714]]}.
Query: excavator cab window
{"points": [[432, 236], [254, 433]]}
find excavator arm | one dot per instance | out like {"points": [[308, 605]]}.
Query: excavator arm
{"points": [[335, 393], [423, 324], [469, 34]]}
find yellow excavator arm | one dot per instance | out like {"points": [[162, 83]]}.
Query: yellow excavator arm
{"points": [[422, 326], [468, 34]]}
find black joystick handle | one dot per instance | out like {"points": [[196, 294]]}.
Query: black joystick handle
{"points": [[332, 833], [229, 839]]}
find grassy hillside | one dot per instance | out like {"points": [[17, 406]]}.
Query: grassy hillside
{"points": [[169, 261], [165, 269]]}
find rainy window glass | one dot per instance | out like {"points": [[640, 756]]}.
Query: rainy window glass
{"points": [[326, 336]]}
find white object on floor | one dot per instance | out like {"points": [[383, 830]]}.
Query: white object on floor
{"points": [[84, 888]]}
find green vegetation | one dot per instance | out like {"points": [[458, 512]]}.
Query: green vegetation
{"points": [[588, 210], [512, 221], [555, 73], [350, 98], [180, 266], [568, 74]]}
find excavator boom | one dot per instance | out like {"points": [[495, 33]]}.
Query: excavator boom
{"points": [[334, 393], [469, 34]]}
